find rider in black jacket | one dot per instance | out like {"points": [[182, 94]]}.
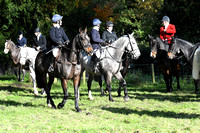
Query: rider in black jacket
{"points": [[57, 35], [39, 40], [109, 35]]}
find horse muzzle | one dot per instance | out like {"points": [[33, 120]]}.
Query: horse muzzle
{"points": [[153, 54], [6, 51], [171, 55]]}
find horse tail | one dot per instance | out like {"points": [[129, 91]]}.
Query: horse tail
{"points": [[196, 65], [39, 75]]}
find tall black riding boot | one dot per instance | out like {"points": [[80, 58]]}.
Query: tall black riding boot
{"points": [[94, 60]]}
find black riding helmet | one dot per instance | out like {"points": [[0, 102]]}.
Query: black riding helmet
{"points": [[109, 24], [37, 30], [19, 32]]}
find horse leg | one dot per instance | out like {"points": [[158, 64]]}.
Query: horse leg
{"points": [[76, 92], [50, 102], [196, 83], [170, 83], [100, 84], [64, 87], [123, 84], [19, 72], [32, 74], [89, 84], [178, 84], [166, 78], [108, 78], [23, 74]]}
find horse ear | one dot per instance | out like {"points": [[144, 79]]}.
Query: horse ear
{"points": [[85, 30], [80, 30], [132, 33], [149, 36]]}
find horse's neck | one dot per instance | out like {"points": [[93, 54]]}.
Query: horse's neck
{"points": [[118, 48], [15, 53], [187, 48]]}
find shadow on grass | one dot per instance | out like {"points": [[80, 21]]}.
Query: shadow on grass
{"points": [[14, 103], [167, 114], [172, 98], [8, 78]]}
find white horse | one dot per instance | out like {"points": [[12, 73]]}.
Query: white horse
{"points": [[196, 65], [23, 55], [110, 62]]}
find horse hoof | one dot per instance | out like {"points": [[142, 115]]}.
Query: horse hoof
{"points": [[49, 105], [78, 109], [60, 105], [36, 93], [119, 95], [111, 100], [126, 98], [91, 98]]}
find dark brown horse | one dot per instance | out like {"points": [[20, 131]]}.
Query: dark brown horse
{"points": [[66, 67], [168, 67], [188, 49]]}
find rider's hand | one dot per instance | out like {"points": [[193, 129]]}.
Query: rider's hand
{"points": [[66, 42]]}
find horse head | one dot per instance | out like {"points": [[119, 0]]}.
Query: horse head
{"points": [[132, 48], [83, 41], [8, 45], [153, 46]]}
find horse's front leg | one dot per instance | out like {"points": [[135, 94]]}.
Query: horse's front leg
{"points": [[196, 83], [76, 92], [32, 74], [123, 84], [108, 79], [64, 87], [89, 84], [50, 102], [100, 84]]}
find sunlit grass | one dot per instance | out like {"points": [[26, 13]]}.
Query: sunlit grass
{"points": [[149, 109]]}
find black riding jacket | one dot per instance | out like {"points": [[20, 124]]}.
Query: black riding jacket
{"points": [[109, 37]]}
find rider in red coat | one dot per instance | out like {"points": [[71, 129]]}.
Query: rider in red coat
{"points": [[167, 31]]}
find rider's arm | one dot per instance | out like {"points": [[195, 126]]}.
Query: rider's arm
{"points": [[161, 33], [64, 34], [171, 29]]}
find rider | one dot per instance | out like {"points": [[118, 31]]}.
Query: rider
{"points": [[96, 41], [39, 40], [21, 40], [58, 36], [167, 32], [109, 35]]}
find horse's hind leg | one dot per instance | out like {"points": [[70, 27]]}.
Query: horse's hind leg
{"points": [[64, 86], [123, 84], [76, 92], [32, 73], [23, 74], [89, 84]]}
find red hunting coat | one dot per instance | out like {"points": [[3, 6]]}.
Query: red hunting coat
{"points": [[168, 34]]}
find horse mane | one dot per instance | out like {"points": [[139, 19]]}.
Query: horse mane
{"points": [[160, 42], [184, 41], [119, 40]]}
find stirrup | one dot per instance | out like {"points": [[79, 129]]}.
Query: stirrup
{"points": [[51, 69]]}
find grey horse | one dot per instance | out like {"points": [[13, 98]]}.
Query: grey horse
{"points": [[110, 62]]}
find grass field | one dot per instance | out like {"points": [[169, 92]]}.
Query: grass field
{"points": [[149, 109]]}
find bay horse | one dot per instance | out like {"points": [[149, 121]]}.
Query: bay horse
{"points": [[22, 56], [110, 62], [66, 67], [167, 66], [188, 49]]}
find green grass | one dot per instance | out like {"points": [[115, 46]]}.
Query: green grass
{"points": [[149, 109]]}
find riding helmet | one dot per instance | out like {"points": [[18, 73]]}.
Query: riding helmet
{"points": [[37, 30], [96, 22], [109, 24], [166, 18], [56, 17], [19, 32]]}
